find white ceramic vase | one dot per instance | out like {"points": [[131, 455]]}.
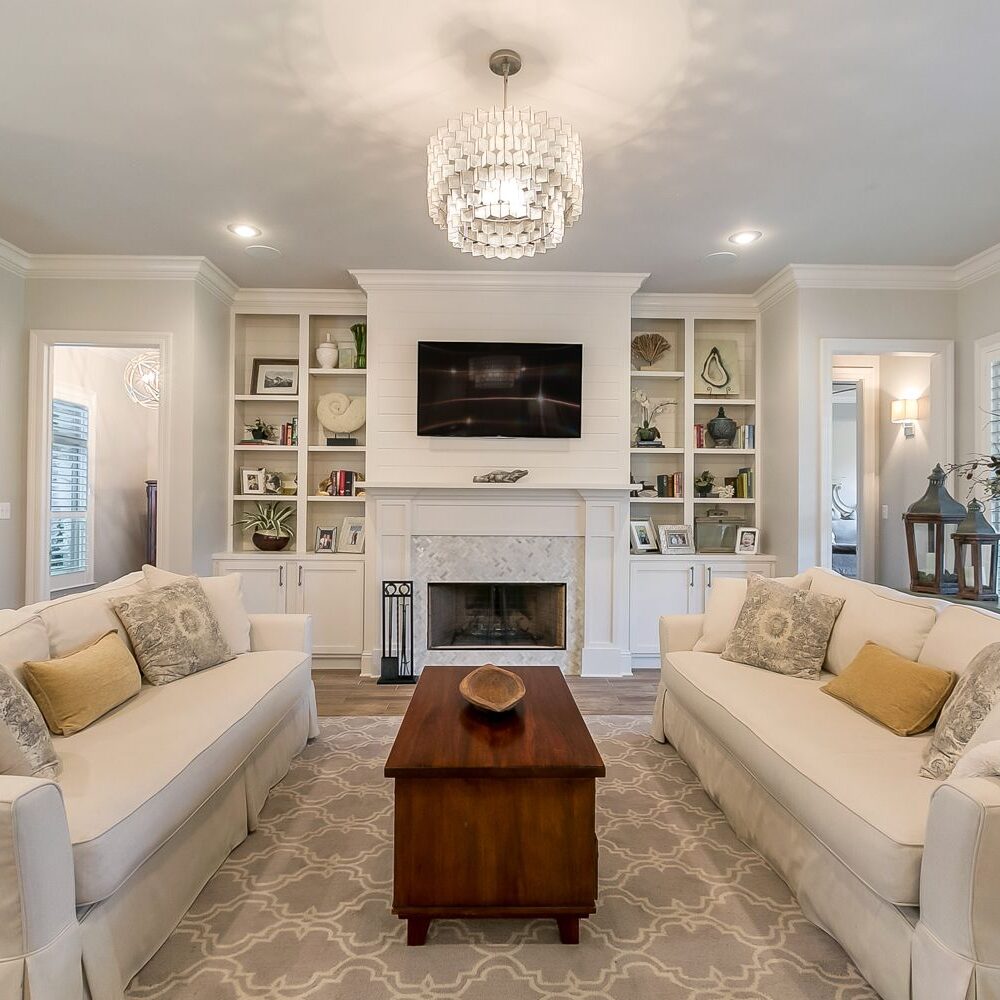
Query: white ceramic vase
{"points": [[327, 355]]}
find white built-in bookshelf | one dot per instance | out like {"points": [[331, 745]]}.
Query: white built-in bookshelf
{"points": [[677, 376], [293, 334]]}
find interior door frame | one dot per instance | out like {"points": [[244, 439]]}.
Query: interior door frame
{"points": [[40, 388], [941, 430], [866, 377]]}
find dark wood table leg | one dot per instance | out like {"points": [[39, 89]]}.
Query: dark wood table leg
{"points": [[569, 929], [416, 930]]}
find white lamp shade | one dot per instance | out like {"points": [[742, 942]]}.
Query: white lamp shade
{"points": [[903, 411]]}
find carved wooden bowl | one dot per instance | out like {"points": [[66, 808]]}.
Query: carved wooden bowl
{"points": [[492, 688]]}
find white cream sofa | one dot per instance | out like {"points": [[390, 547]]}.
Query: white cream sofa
{"points": [[903, 871], [97, 868]]}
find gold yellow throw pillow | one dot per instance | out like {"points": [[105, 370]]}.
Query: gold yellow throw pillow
{"points": [[903, 696], [75, 690]]}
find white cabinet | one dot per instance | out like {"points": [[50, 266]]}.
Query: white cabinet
{"points": [[675, 585], [331, 589], [659, 587]]}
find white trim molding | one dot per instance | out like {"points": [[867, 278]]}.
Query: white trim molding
{"points": [[548, 281], [336, 301], [657, 305], [14, 259]]}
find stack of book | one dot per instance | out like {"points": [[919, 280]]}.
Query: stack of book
{"points": [[289, 434], [674, 484], [342, 483], [744, 484]]}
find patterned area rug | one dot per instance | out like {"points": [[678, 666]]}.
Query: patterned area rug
{"points": [[686, 911]]}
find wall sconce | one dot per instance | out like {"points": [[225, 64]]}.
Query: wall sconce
{"points": [[904, 411]]}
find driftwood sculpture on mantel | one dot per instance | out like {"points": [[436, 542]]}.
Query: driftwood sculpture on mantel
{"points": [[501, 476]]}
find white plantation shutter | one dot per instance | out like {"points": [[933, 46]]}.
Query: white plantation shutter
{"points": [[994, 430], [69, 483]]}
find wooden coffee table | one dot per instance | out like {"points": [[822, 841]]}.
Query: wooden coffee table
{"points": [[494, 814]]}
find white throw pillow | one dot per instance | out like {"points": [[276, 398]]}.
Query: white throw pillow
{"points": [[871, 615], [958, 635], [225, 595], [724, 603], [979, 762]]}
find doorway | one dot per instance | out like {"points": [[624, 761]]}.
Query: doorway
{"points": [[96, 431], [845, 457]]}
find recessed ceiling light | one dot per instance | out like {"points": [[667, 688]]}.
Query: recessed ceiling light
{"points": [[244, 229], [745, 236], [261, 250], [721, 255]]}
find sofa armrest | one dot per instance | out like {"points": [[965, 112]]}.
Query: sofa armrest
{"points": [[679, 633], [960, 872], [39, 933], [281, 632]]}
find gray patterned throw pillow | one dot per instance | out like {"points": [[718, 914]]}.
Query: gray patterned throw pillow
{"points": [[974, 697], [26, 745], [782, 629], [173, 630]]}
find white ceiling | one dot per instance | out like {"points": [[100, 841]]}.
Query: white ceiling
{"points": [[849, 131]]}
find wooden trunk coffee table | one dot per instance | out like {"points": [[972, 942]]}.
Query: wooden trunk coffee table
{"points": [[494, 814]]}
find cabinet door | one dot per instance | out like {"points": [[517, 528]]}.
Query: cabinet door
{"points": [[334, 594], [733, 570], [658, 588], [265, 583]]}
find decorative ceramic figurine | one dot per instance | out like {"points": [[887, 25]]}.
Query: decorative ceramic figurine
{"points": [[339, 413], [327, 354], [501, 476]]}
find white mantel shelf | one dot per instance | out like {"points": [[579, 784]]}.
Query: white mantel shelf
{"points": [[452, 488]]}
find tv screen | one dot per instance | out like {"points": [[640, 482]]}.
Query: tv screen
{"points": [[499, 390]]}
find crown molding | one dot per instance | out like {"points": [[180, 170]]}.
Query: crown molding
{"points": [[978, 266], [880, 276], [336, 301], [548, 281], [659, 305], [14, 259]]}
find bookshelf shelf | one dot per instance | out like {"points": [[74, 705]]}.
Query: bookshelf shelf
{"points": [[251, 398], [723, 401], [657, 451], [679, 500], [326, 499], [725, 451], [265, 447], [722, 500], [333, 447], [339, 372], [266, 497], [656, 374]]}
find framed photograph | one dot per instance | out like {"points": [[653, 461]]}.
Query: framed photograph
{"points": [[675, 539], [254, 481], [272, 481], [275, 377], [747, 540], [643, 536], [326, 540], [352, 535]]}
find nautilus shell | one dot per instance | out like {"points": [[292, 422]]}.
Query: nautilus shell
{"points": [[341, 414]]}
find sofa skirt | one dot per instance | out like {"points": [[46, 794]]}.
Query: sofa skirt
{"points": [[122, 933], [877, 935]]}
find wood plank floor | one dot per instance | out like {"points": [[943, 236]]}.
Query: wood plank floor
{"points": [[342, 692]]}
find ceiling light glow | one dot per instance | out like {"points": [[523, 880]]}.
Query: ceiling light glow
{"points": [[244, 230], [744, 237]]}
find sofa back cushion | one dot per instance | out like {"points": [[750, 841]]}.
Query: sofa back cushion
{"points": [[22, 638], [959, 633], [724, 604], [80, 620], [873, 614]]}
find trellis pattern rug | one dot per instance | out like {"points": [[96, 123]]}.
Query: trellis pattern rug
{"points": [[685, 912]]}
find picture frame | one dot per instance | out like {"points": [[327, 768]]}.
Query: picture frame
{"points": [[352, 535], [275, 377], [326, 539], [675, 539], [272, 482], [253, 482], [747, 541], [642, 535]]}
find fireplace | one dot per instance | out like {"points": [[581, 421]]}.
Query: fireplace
{"points": [[491, 615]]}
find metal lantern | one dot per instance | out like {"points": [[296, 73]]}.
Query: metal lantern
{"points": [[929, 524], [975, 538]]}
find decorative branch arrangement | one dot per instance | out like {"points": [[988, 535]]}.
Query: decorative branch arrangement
{"points": [[649, 347]]}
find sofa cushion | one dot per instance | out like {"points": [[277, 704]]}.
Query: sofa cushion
{"points": [[854, 784], [959, 633], [724, 603], [130, 780], [77, 621], [22, 637], [878, 614]]}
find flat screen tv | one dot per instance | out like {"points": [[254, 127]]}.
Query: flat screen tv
{"points": [[499, 390]]}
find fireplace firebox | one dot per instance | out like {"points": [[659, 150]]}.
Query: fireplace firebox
{"points": [[488, 615]]}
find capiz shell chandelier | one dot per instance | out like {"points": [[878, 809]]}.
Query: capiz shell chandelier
{"points": [[508, 181], [142, 379]]}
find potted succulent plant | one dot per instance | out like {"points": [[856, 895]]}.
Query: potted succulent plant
{"points": [[269, 525], [261, 431], [703, 484]]}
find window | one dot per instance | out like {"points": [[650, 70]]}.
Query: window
{"points": [[69, 496]]}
